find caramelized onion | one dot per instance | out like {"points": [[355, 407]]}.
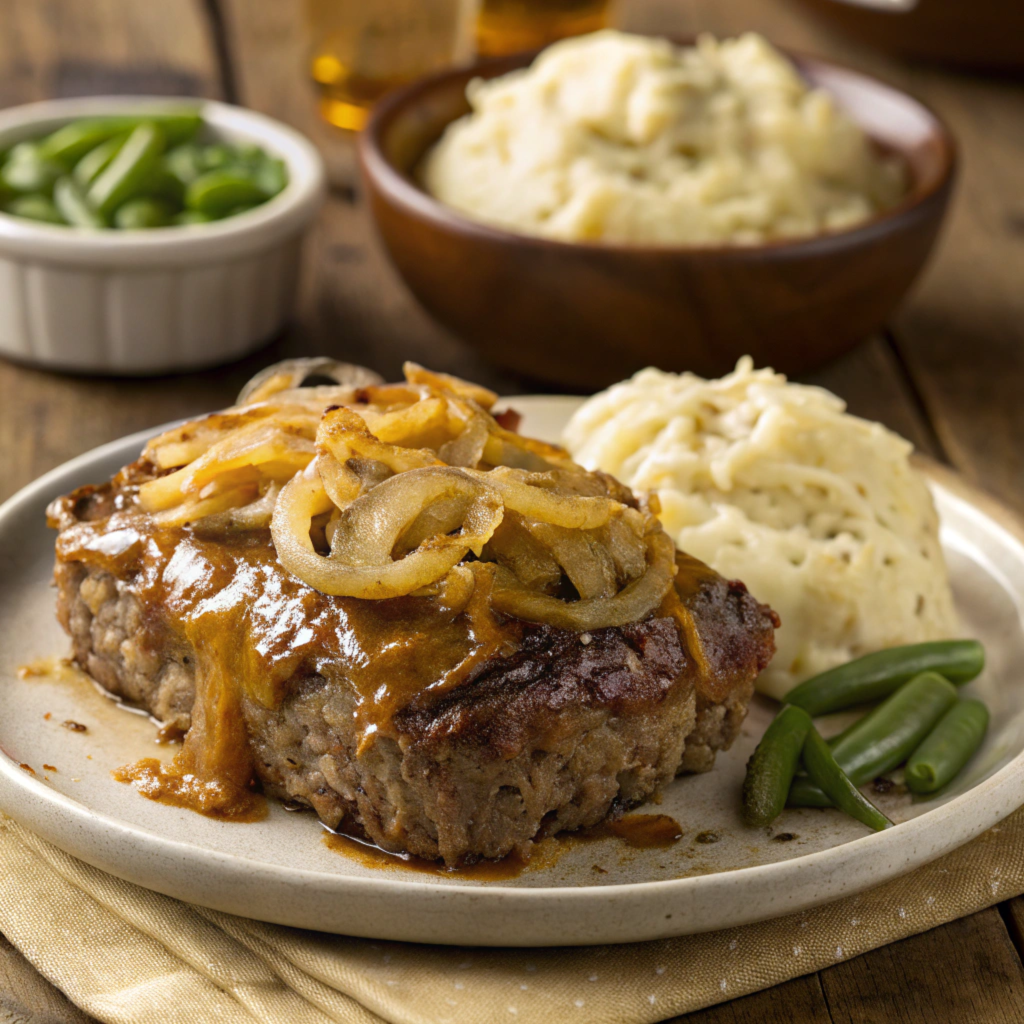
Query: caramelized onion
{"points": [[530, 494], [278, 452], [237, 519], [290, 373], [633, 603], [378, 491], [343, 437], [416, 374], [366, 533]]}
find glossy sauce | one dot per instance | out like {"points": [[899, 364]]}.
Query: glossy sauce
{"points": [[637, 831], [369, 855], [253, 629]]}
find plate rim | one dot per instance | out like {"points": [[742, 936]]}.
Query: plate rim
{"points": [[926, 827]]}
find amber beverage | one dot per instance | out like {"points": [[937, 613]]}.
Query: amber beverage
{"points": [[363, 48], [507, 26]]}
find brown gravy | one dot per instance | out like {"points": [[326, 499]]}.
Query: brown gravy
{"points": [[637, 831], [254, 629]]}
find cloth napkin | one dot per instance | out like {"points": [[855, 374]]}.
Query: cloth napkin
{"points": [[129, 956]]}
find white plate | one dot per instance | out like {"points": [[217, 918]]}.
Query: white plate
{"points": [[279, 870]]}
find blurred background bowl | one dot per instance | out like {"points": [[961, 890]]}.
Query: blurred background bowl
{"points": [[165, 299], [585, 315], [986, 35]]}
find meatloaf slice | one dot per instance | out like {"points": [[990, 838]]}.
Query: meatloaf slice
{"points": [[551, 730]]}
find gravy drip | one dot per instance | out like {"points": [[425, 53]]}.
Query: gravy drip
{"points": [[249, 628]]}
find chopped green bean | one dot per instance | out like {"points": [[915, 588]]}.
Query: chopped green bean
{"points": [[772, 766], [271, 176], [104, 163], [185, 163], [875, 676], [143, 212], [216, 157], [27, 171], [948, 747], [885, 737], [35, 207], [826, 773], [218, 192], [69, 144], [97, 160], [128, 171], [73, 205], [192, 217]]}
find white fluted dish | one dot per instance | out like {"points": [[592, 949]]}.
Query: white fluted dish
{"points": [[164, 299]]}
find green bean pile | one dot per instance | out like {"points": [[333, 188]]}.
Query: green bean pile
{"points": [[921, 721], [135, 172]]}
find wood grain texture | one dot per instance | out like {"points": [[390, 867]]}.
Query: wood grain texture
{"points": [[52, 48], [948, 378], [353, 307], [967, 971]]}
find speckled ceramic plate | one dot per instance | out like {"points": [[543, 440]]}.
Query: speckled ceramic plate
{"points": [[600, 891]]}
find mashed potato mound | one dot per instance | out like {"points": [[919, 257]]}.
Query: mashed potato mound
{"points": [[623, 138], [819, 512]]}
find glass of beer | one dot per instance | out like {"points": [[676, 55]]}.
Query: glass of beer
{"points": [[363, 48], [506, 26]]}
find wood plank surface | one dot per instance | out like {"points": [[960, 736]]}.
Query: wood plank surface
{"points": [[967, 972], [947, 375], [54, 48]]}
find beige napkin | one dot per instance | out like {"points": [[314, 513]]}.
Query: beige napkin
{"points": [[130, 956]]}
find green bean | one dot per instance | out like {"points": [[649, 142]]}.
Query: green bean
{"points": [[185, 163], [104, 163], [824, 770], [877, 675], [129, 170], [218, 192], [35, 207], [162, 184], [884, 737], [192, 217], [948, 747], [27, 171], [69, 144], [217, 156], [271, 176], [97, 160], [143, 212], [73, 205], [772, 766]]}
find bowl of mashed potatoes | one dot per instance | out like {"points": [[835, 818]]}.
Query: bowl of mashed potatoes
{"points": [[618, 200]]}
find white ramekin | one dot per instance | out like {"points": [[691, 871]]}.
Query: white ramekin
{"points": [[147, 302]]}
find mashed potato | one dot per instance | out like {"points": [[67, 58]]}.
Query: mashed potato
{"points": [[623, 138], [818, 512]]}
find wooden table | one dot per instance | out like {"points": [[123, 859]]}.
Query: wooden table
{"points": [[948, 373]]}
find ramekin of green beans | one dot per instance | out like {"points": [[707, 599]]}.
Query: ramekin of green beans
{"points": [[916, 719], [144, 234], [131, 172]]}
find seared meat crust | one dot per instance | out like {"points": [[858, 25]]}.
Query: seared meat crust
{"points": [[557, 733]]}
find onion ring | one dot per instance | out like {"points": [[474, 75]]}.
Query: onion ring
{"points": [[360, 564], [527, 494], [632, 604]]}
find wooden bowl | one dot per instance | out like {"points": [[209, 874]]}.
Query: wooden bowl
{"points": [[985, 35], [585, 315]]}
